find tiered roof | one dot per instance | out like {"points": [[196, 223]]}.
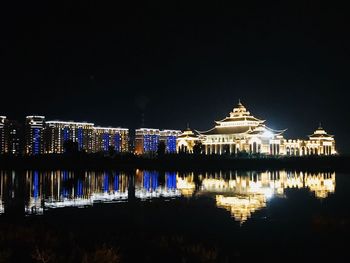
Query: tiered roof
{"points": [[320, 133], [239, 122]]}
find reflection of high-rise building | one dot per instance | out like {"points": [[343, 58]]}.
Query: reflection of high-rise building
{"points": [[118, 138], [34, 126], [147, 140], [59, 132]]}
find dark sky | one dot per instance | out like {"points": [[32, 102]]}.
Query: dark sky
{"points": [[179, 63]]}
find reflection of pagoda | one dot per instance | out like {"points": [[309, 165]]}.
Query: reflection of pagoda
{"points": [[186, 184], [241, 207], [242, 195]]}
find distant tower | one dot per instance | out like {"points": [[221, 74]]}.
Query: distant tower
{"points": [[34, 126]]}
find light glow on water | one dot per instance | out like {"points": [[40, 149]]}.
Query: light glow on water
{"points": [[241, 194]]}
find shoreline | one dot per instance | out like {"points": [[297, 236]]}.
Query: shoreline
{"points": [[175, 162]]}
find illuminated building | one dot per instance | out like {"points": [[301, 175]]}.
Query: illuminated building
{"points": [[169, 137], [59, 132], [34, 126], [88, 137], [3, 143], [147, 140], [13, 137], [243, 133], [186, 141], [9, 136], [118, 138]]}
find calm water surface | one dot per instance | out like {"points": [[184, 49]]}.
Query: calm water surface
{"points": [[283, 212]]}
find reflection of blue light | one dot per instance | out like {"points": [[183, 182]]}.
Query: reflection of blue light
{"points": [[65, 192], [154, 180], [146, 180], [65, 175], [80, 138], [170, 180], [150, 180], [36, 184], [64, 188], [116, 182], [80, 188], [117, 142], [105, 182]]}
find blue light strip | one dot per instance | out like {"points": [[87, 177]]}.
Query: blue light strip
{"points": [[36, 184], [65, 134], [105, 183], [105, 139], [116, 182], [171, 144], [117, 142], [36, 141], [80, 138], [170, 180]]}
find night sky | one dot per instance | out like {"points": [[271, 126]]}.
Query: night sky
{"points": [[179, 63]]}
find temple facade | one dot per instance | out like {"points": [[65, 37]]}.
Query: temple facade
{"points": [[241, 132], [186, 141]]}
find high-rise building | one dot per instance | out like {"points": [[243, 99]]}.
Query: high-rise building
{"points": [[169, 138], [13, 137], [105, 137], [57, 133], [10, 136], [3, 144], [33, 133], [146, 140]]}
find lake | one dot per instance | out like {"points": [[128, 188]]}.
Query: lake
{"points": [[225, 216]]}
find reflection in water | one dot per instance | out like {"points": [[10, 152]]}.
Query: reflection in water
{"points": [[244, 193], [147, 185], [240, 193]]}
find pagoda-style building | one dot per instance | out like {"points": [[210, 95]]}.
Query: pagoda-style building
{"points": [[186, 141], [241, 132]]}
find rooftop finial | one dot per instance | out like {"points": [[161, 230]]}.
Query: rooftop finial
{"points": [[239, 101], [188, 126], [319, 125]]}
